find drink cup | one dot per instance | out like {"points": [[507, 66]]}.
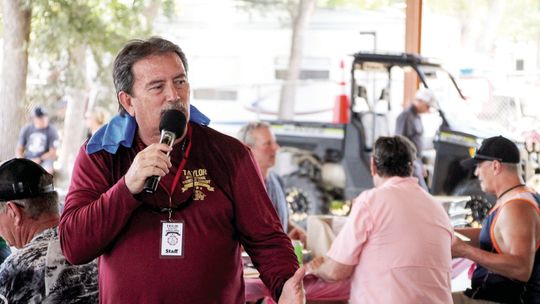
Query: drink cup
{"points": [[298, 248]]}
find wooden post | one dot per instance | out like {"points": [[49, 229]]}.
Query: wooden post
{"points": [[413, 38]]}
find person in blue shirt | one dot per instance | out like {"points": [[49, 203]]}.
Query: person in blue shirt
{"points": [[259, 137]]}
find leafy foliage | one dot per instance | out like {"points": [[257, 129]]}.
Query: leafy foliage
{"points": [[520, 18], [363, 4], [264, 5], [520, 21], [59, 27]]}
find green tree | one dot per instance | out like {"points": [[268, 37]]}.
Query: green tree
{"points": [[67, 37], [484, 21], [92, 31], [520, 23], [16, 29], [298, 14]]}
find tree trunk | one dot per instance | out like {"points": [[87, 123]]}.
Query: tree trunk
{"points": [[17, 21], [537, 54], [288, 91], [150, 13], [496, 10], [74, 127]]}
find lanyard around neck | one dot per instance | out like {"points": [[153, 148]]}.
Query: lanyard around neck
{"points": [[182, 163]]}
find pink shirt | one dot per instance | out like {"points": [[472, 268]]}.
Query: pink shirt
{"points": [[399, 238]]}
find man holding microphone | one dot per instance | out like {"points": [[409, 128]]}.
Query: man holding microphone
{"points": [[180, 244]]}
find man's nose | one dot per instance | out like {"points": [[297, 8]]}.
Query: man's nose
{"points": [[172, 92]]}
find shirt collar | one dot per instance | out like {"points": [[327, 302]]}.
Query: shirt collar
{"points": [[120, 131]]}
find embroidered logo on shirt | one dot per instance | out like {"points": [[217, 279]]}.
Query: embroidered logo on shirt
{"points": [[198, 179]]}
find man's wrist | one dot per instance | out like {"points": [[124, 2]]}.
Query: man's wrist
{"points": [[464, 251]]}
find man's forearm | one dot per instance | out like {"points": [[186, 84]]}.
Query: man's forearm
{"points": [[84, 212], [507, 265], [51, 154], [330, 270], [326, 273], [19, 151]]}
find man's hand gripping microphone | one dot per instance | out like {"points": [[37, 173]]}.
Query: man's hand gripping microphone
{"points": [[172, 126]]}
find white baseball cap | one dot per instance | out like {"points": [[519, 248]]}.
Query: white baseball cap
{"points": [[426, 95]]}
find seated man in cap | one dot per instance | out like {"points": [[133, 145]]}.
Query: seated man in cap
{"points": [[38, 140], [506, 248], [37, 272], [409, 124]]}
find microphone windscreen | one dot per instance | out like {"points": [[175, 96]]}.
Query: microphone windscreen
{"points": [[173, 121]]}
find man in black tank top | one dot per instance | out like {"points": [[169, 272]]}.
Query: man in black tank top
{"points": [[505, 250]]}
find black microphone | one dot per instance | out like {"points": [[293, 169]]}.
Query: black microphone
{"points": [[172, 125]]}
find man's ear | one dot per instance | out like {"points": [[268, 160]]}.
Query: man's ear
{"points": [[372, 166], [497, 167], [15, 211], [127, 102]]}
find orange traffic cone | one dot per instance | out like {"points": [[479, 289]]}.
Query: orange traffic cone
{"points": [[341, 109], [341, 105]]}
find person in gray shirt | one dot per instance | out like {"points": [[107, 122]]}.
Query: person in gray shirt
{"points": [[38, 141], [409, 124]]}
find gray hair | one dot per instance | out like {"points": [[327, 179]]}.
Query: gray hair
{"points": [[244, 134], [35, 207], [514, 168], [134, 51]]}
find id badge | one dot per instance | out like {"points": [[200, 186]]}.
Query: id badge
{"points": [[172, 239]]}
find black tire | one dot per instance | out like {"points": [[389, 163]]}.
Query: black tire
{"points": [[304, 197], [480, 202]]}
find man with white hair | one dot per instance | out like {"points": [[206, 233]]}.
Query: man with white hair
{"points": [[409, 124], [259, 137]]}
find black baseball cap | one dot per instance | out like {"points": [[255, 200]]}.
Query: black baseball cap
{"points": [[495, 148], [38, 112], [22, 178]]}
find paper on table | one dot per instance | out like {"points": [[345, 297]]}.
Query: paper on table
{"points": [[250, 272], [320, 234], [461, 236]]}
